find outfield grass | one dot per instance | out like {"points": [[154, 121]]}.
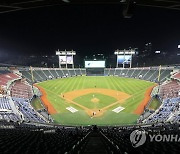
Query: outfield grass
{"points": [[134, 87]]}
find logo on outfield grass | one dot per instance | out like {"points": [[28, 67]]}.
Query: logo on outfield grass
{"points": [[138, 138]]}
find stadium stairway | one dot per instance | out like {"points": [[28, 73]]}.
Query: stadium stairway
{"points": [[95, 144]]}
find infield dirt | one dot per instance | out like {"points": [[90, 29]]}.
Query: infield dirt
{"points": [[147, 96], [46, 102]]}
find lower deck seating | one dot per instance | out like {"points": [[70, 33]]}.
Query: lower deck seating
{"points": [[168, 107], [4, 103], [8, 116], [6, 112], [28, 112]]}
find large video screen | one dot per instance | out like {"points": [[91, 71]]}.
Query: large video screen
{"points": [[62, 59], [94, 64], [124, 59]]}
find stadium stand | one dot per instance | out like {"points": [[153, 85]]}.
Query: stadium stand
{"points": [[9, 116], [78, 72], [6, 77], [118, 138], [4, 104], [29, 138], [60, 73], [140, 73], [83, 71], [168, 93], [72, 72], [34, 138], [27, 75], [29, 113], [168, 107], [6, 111], [150, 74], [169, 90], [21, 90], [42, 74], [111, 71], [176, 76], [15, 102]]}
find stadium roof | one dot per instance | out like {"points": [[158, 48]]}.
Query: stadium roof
{"points": [[16, 5]]}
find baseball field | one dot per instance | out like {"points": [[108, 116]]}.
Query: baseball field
{"points": [[101, 100]]}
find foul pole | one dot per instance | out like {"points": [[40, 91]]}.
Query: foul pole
{"points": [[159, 75], [32, 77]]}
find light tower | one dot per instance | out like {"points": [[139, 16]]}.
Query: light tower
{"points": [[124, 57], [66, 58]]}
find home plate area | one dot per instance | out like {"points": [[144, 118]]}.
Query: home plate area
{"points": [[71, 109], [118, 109]]}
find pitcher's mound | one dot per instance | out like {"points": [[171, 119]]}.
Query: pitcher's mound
{"points": [[95, 100]]}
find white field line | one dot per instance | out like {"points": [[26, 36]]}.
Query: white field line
{"points": [[71, 109]]}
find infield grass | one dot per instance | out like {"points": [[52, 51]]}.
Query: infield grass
{"points": [[102, 100]]}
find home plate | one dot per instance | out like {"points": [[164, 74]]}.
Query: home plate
{"points": [[118, 109], [71, 109]]}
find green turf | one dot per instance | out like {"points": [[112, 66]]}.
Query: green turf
{"points": [[109, 118], [104, 100], [134, 87], [155, 104], [36, 103]]}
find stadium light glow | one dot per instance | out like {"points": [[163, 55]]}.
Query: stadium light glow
{"points": [[158, 51], [178, 46], [126, 52], [58, 52]]}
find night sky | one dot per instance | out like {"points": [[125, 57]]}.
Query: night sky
{"points": [[87, 29]]}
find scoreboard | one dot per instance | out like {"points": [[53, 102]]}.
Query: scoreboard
{"points": [[95, 64], [95, 67]]}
